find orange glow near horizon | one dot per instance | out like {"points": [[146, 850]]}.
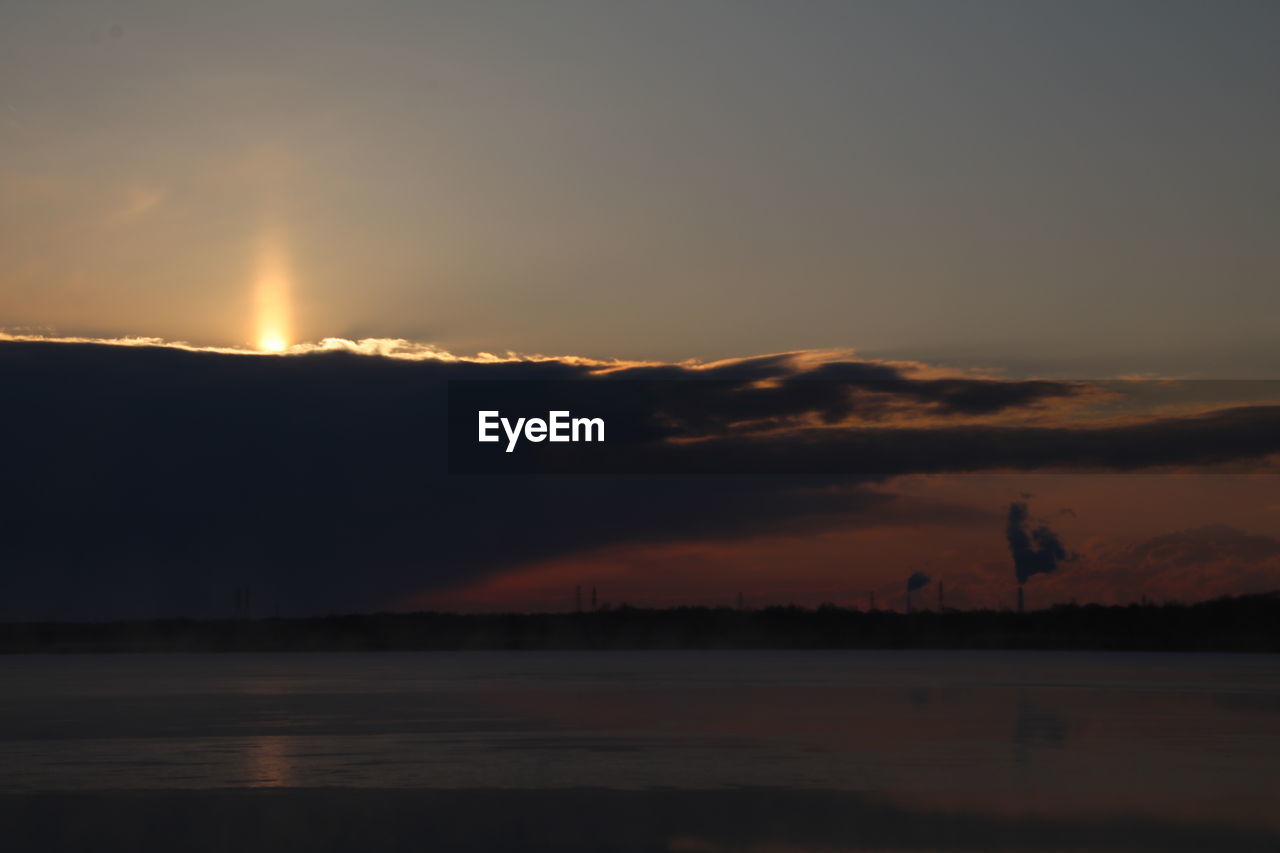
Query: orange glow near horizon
{"points": [[271, 296]]}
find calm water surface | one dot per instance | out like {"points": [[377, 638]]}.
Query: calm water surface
{"points": [[800, 751]]}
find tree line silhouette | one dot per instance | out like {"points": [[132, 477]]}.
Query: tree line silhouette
{"points": [[1235, 624]]}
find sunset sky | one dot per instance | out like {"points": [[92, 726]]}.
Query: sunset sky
{"points": [[990, 191], [1082, 188]]}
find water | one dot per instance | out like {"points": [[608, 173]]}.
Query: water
{"points": [[762, 751]]}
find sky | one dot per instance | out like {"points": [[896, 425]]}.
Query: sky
{"points": [[245, 246], [1077, 189]]}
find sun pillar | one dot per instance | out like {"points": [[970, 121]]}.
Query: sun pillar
{"points": [[271, 296]]}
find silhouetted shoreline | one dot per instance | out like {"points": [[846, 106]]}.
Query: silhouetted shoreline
{"points": [[1242, 624]]}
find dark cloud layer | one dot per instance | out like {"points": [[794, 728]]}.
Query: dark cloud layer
{"points": [[148, 481]]}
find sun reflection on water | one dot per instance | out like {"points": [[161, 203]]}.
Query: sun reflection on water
{"points": [[268, 762]]}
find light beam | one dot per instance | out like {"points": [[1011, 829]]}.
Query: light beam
{"points": [[271, 294]]}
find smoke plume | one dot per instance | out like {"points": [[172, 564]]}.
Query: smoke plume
{"points": [[1033, 550]]}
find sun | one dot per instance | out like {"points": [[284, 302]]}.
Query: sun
{"points": [[272, 343]]}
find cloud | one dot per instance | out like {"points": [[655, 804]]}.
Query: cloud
{"points": [[1187, 565], [1193, 564], [137, 204], [147, 480]]}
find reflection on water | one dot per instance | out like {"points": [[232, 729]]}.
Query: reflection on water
{"points": [[268, 761], [688, 751], [1038, 726]]}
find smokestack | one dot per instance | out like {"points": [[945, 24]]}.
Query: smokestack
{"points": [[939, 596], [1020, 599], [577, 599], [593, 598]]}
